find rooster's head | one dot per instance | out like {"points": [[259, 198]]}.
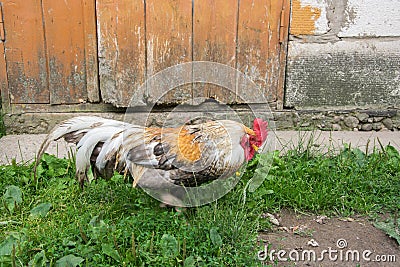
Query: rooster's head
{"points": [[255, 138]]}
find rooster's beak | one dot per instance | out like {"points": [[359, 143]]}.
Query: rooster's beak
{"points": [[254, 147], [249, 131]]}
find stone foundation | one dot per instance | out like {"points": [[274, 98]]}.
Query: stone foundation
{"points": [[351, 120], [338, 120]]}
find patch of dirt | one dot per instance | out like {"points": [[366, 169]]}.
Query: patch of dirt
{"points": [[317, 241]]}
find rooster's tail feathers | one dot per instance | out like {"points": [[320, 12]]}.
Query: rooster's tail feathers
{"points": [[73, 130]]}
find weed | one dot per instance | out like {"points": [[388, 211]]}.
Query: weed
{"points": [[390, 227]]}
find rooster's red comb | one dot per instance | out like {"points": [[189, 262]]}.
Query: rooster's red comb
{"points": [[260, 128]]}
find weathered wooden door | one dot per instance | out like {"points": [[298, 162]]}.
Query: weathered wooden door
{"points": [[138, 38], [49, 52], [73, 51]]}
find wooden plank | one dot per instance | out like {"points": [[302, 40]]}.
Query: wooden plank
{"points": [[65, 40], [284, 40], [91, 66], [214, 39], [4, 97], [169, 42], [121, 33], [25, 52], [259, 48], [253, 48], [274, 62], [5, 101]]}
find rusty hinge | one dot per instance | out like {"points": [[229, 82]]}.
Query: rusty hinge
{"points": [[2, 31]]}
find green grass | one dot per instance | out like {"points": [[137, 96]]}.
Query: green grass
{"points": [[343, 184], [109, 223]]}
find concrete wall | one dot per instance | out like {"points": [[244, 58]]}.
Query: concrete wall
{"points": [[344, 54]]}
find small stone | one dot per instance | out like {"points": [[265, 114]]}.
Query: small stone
{"points": [[321, 219], [305, 124], [296, 116], [337, 119], [283, 228], [336, 127], [355, 130], [346, 219], [370, 120], [378, 119], [271, 218], [388, 123], [377, 126], [366, 127], [362, 117], [351, 121]]}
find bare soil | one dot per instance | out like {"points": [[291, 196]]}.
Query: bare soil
{"points": [[311, 240]]}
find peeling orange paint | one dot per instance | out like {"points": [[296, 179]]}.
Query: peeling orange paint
{"points": [[303, 18]]}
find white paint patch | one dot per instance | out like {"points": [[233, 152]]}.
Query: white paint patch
{"points": [[372, 18], [321, 23]]}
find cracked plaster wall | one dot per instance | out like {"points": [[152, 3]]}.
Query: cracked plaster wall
{"points": [[343, 54]]}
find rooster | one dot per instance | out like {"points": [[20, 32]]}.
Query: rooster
{"points": [[188, 156]]}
